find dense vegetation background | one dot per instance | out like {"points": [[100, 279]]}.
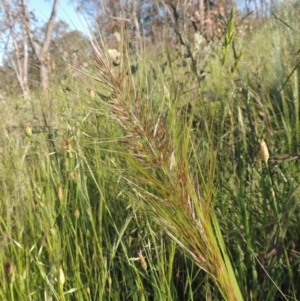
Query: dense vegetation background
{"points": [[138, 177]]}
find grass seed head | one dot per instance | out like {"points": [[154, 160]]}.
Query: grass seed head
{"points": [[109, 280], [142, 260], [92, 93], [61, 276], [28, 130], [75, 176], [69, 148], [60, 194], [172, 160], [10, 272], [76, 213], [263, 151], [88, 290], [36, 204]]}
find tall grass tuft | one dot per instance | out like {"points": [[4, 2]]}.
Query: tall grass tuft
{"points": [[158, 146]]}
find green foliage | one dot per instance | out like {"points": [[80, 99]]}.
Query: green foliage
{"points": [[151, 187]]}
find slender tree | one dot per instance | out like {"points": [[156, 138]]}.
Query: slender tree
{"points": [[40, 50], [15, 41], [17, 35]]}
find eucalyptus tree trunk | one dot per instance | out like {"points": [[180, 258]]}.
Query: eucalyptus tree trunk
{"points": [[41, 51]]}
